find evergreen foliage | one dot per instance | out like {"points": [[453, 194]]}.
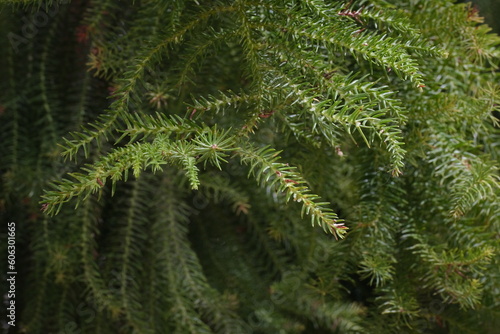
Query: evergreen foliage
{"points": [[165, 143]]}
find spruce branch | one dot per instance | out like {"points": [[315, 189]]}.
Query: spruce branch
{"points": [[266, 169], [224, 101], [132, 78], [352, 117], [201, 47], [211, 145], [469, 177], [452, 272], [207, 146], [362, 45], [184, 95], [115, 166], [146, 126]]}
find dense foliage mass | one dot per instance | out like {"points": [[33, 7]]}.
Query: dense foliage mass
{"points": [[247, 166]]}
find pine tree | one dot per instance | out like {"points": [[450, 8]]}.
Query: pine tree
{"points": [[250, 166]]}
